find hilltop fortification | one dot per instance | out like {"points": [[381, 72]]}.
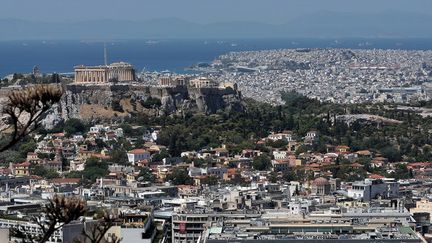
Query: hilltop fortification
{"points": [[111, 101]]}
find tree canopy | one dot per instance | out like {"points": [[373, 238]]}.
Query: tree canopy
{"points": [[261, 162], [180, 177]]}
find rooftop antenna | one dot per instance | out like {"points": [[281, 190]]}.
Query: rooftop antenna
{"points": [[105, 55]]}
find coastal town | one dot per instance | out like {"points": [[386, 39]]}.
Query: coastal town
{"points": [[296, 185], [200, 121], [197, 121], [333, 75]]}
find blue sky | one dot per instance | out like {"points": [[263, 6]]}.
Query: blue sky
{"points": [[204, 11]]}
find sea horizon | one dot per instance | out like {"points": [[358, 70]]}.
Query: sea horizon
{"points": [[174, 55]]}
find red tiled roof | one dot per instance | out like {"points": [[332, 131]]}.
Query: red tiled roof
{"points": [[281, 161], [342, 146], [5, 171], [357, 165], [65, 180], [60, 134], [231, 171], [420, 164], [313, 165], [23, 164], [376, 176], [101, 156], [364, 152], [137, 151]]}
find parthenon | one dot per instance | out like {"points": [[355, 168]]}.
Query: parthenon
{"points": [[119, 71]]}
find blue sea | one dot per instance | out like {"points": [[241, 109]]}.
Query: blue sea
{"points": [[160, 55]]}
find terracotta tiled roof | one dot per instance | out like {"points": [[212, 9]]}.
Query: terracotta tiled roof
{"points": [[231, 171], [357, 165], [137, 151], [376, 176], [364, 152], [23, 164], [65, 180]]}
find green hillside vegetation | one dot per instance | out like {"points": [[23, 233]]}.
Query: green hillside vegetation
{"points": [[409, 141]]}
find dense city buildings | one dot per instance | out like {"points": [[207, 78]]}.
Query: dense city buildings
{"points": [[239, 137], [300, 172], [211, 206], [335, 75], [303, 166]]}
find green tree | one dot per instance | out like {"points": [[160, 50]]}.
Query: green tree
{"points": [[43, 172], [38, 170], [301, 149], [27, 146], [119, 156], [160, 156], [210, 180], [180, 177], [116, 106], [261, 162], [146, 175], [73, 126], [95, 168], [290, 175], [100, 144], [51, 173], [281, 143], [273, 177], [74, 174], [401, 172], [151, 103], [127, 129], [11, 156], [391, 153]]}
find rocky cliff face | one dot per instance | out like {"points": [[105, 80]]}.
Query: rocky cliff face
{"points": [[102, 102]]}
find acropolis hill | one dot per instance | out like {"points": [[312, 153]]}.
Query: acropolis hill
{"points": [[118, 100], [98, 95]]}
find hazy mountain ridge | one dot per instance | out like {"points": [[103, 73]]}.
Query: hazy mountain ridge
{"points": [[321, 24]]}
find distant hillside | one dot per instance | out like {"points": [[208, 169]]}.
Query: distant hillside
{"points": [[321, 24]]}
